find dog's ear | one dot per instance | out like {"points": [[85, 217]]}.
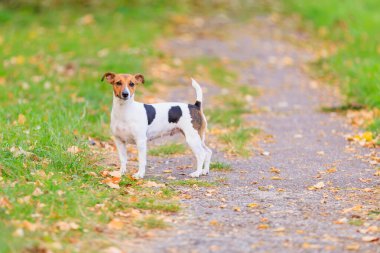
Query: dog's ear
{"points": [[109, 77], [139, 78]]}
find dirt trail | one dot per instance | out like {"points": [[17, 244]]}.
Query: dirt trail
{"points": [[288, 216]]}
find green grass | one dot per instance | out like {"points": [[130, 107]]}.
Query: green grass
{"points": [[238, 140], [220, 166], [151, 222], [192, 182], [353, 25], [168, 149], [52, 62]]}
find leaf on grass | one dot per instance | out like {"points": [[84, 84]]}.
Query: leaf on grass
{"points": [[66, 226], [21, 119], [73, 150], [116, 224], [112, 182], [276, 178], [5, 203], [115, 173], [151, 184], [37, 192]]}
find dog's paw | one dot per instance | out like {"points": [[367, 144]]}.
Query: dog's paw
{"points": [[123, 171], [195, 174], [205, 172], [138, 175]]}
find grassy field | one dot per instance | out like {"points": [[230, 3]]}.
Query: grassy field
{"points": [[51, 103], [354, 27]]}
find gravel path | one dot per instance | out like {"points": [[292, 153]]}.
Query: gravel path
{"points": [[284, 215]]}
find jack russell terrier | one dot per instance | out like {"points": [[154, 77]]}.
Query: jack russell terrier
{"points": [[134, 122]]}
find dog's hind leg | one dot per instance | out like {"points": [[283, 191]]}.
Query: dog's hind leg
{"points": [[195, 143], [206, 168]]}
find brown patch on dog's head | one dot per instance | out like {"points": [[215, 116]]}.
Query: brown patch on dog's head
{"points": [[124, 85]]}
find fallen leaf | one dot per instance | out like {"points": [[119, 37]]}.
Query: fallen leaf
{"points": [[252, 205], [276, 178], [275, 170], [167, 171], [370, 238], [214, 223], [18, 232], [37, 192], [73, 150], [237, 209], [66, 226], [115, 173], [263, 226], [331, 170], [151, 184], [21, 119], [5, 203], [115, 224], [353, 247], [318, 185]]}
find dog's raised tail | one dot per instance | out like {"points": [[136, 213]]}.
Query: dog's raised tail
{"points": [[198, 91]]}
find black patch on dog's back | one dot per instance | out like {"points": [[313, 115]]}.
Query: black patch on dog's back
{"points": [[150, 113], [198, 104], [175, 113]]}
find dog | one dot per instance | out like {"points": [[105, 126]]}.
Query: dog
{"points": [[137, 123]]}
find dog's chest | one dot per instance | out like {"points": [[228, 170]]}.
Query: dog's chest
{"points": [[123, 129]]}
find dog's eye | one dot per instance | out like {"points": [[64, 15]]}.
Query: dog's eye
{"points": [[131, 84], [118, 83]]}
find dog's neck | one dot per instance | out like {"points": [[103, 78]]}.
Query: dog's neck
{"points": [[119, 104]]}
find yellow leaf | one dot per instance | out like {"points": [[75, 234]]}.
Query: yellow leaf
{"points": [[367, 136], [237, 209], [263, 226], [214, 223], [331, 170], [252, 205], [276, 178], [275, 170]]}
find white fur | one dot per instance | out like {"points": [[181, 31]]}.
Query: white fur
{"points": [[198, 90], [129, 124]]}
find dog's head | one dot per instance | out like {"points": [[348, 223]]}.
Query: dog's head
{"points": [[124, 85]]}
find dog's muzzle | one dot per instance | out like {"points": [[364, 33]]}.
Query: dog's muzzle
{"points": [[125, 95]]}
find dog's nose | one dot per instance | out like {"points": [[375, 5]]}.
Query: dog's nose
{"points": [[125, 94]]}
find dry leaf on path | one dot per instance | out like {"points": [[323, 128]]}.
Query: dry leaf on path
{"points": [[317, 186]]}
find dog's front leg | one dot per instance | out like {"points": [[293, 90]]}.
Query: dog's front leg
{"points": [[141, 147], [122, 149]]}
